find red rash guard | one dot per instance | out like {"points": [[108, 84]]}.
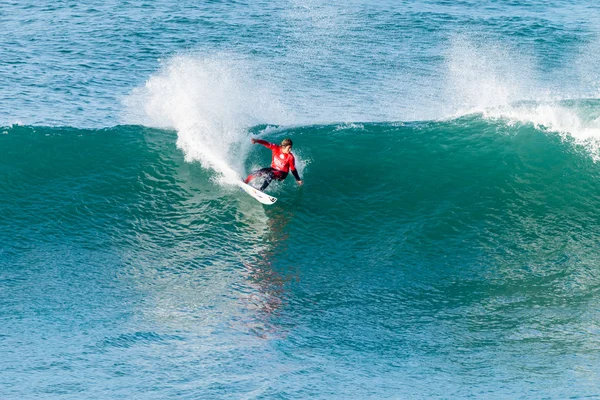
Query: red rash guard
{"points": [[281, 162]]}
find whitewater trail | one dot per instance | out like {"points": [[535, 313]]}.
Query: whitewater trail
{"points": [[211, 102]]}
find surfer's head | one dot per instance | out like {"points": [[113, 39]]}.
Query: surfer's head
{"points": [[286, 145]]}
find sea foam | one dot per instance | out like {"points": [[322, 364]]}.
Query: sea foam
{"points": [[501, 83]]}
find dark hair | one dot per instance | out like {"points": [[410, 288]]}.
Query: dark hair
{"points": [[286, 142]]}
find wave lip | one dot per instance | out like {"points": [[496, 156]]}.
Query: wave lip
{"points": [[576, 120]]}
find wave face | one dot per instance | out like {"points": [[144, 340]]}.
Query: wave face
{"points": [[449, 242]]}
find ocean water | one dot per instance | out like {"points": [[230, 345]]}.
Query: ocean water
{"points": [[444, 244]]}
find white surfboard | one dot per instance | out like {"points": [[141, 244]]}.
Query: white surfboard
{"points": [[257, 194]]}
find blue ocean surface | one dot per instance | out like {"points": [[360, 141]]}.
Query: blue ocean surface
{"points": [[444, 243]]}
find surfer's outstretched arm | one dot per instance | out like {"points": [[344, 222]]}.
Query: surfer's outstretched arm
{"points": [[264, 143]]}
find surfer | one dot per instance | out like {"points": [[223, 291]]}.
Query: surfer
{"points": [[283, 161]]}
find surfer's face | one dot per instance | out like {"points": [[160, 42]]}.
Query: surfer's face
{"points": [[286, 149]]}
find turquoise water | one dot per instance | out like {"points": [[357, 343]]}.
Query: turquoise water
{"points": [[444, 243]]}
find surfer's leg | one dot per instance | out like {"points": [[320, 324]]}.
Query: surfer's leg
{"points": [[257, 173], [268, 179], [273, 174]]}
